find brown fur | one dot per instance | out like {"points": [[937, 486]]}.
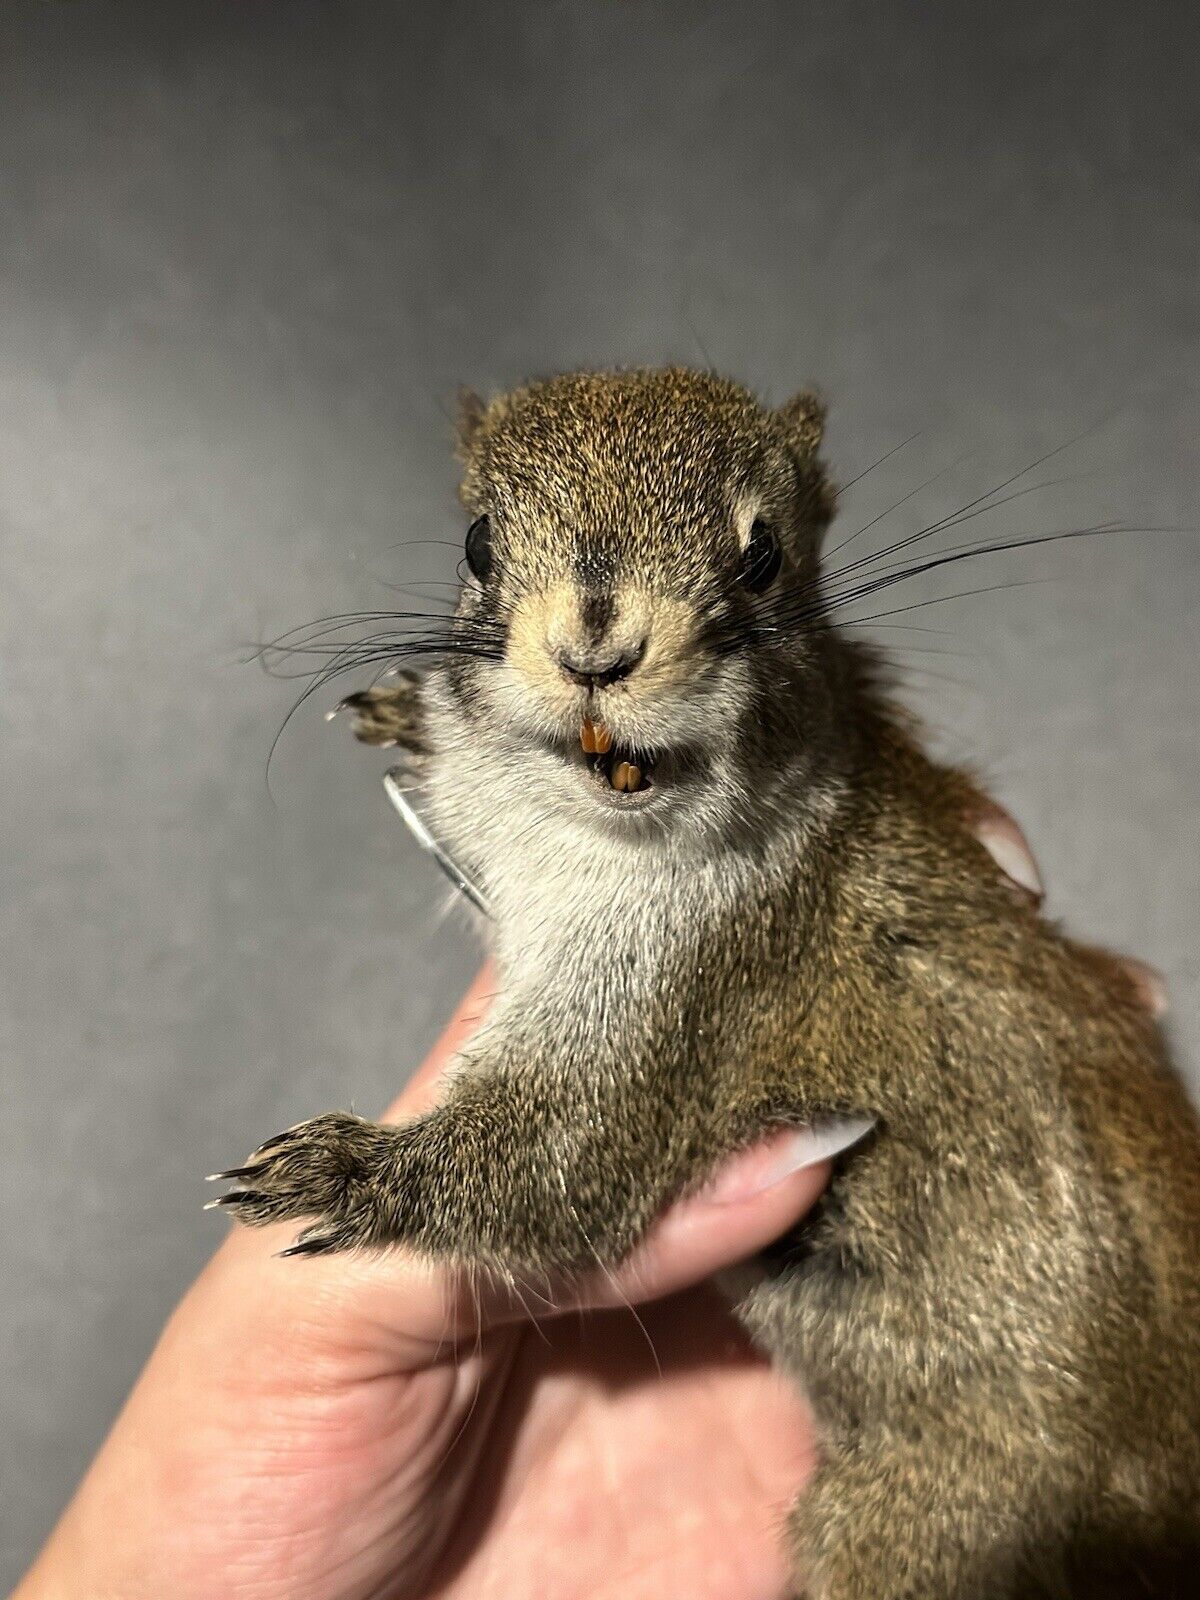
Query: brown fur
{"points": [[996, 1308]]}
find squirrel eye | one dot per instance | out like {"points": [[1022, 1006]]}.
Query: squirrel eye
{"points": [[761, 559], [479, 548]]}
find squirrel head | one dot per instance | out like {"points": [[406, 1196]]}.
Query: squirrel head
{"points": [[634, 539]]}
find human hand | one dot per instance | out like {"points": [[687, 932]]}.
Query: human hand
{"points": [[357, 1426]]}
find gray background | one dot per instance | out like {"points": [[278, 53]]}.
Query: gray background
{"points": [[246, 254]]}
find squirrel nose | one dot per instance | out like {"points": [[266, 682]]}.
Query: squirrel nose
{"points": [[597, 672]]}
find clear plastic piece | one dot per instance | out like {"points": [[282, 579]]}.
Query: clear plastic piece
{"points": [[401, 798]]}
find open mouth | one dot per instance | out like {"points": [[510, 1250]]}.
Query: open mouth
{"points": [[623, 771]]}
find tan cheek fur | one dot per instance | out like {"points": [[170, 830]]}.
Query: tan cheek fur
{"points": [[538, 628], [669, 627]]}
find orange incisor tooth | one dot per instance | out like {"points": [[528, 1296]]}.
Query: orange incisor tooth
{"points": [[595, 738]]}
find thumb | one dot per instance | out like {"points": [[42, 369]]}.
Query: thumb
{"points": [[753, 1199]]}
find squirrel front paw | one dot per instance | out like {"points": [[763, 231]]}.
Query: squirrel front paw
{"points": [[471, 1180], [389, 714], [338, 1168]]}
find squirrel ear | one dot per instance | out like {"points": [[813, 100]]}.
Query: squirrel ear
{"points": [[803, 418], [471, 411]]}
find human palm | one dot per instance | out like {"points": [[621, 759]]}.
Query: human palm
{"points": [[627, 1460], [619, 1454]]}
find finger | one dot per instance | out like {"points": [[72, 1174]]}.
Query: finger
{"points": [[756, 1197], [1004, 841], [1149, 985], [1129, 982]]}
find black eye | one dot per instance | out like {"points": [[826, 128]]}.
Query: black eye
{"points": [[479, 548], [760, 559]]}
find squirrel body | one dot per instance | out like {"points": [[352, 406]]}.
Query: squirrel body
{"points": [[995, 1309]]}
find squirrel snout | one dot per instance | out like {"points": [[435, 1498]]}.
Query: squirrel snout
{"points": [[598, 669]]}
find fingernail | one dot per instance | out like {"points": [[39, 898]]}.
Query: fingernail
{"points": [[768, 1164], [1009, 849]]}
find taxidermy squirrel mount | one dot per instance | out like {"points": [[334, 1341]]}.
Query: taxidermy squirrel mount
{"points": [[729, 891]]}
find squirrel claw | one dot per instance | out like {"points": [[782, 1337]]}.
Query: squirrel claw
{"points": [[311, 1243]]}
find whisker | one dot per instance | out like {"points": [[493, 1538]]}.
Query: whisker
{"points": [[413, 544], [424, 634], [887, 580], [952, 519], [814, 603], [887, 456], [981, 504], [942, 599], [904, 499], [971, 547], [323, 626]]}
